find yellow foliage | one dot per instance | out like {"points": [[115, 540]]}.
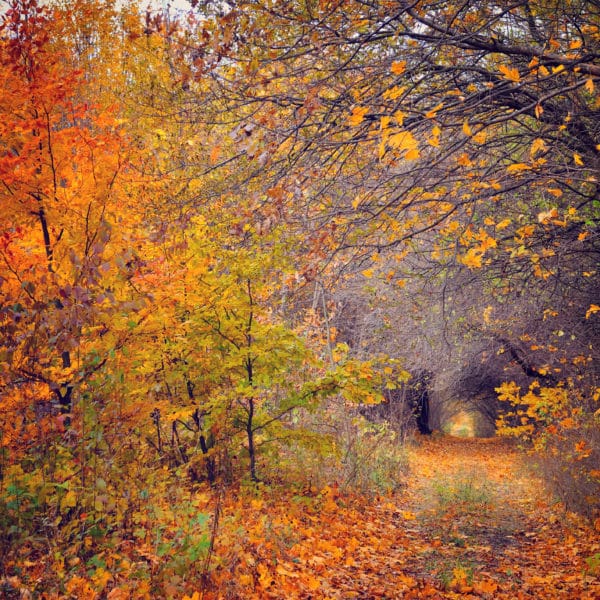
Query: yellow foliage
{"points": [[430, 114], [487, 314], [510, 73], [399, 115], [518, 167], [525, 231], [403, 141], [538, 107], [487, 241], [464, 161], [538, 145], [358, 115], [472, 258], [480, 137], [394, 93], [546, 216]]}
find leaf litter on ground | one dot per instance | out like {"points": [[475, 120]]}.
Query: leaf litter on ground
{"points": [[472, 522]]}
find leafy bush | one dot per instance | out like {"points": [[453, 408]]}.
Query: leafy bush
{"points": [[561, 428], [374, 461], [569, 460]]}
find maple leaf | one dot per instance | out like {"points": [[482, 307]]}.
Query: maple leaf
{"points": [[405, 142], [399, 116], [485, 588], [311, 582], [487, 314], [398, 67], [518, 167], [358, 115], [510, 73], [394, 93], [214, 154], [265, 577], [480, 137], [539, 110], [473, 258]]}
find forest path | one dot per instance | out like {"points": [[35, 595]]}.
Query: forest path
{"points": [[487, 528], [472, 522]]}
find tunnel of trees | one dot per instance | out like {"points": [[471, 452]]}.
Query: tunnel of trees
{"points": [[221, 223]]}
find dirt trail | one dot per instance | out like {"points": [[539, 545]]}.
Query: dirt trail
{"points": [[471, 522], [484, 526]]}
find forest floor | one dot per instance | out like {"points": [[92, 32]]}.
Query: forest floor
{"points": [[486, 527], [472, 522]]}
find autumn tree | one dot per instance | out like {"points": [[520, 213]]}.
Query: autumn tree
{"points": [[61, 162], [68, 251]]}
